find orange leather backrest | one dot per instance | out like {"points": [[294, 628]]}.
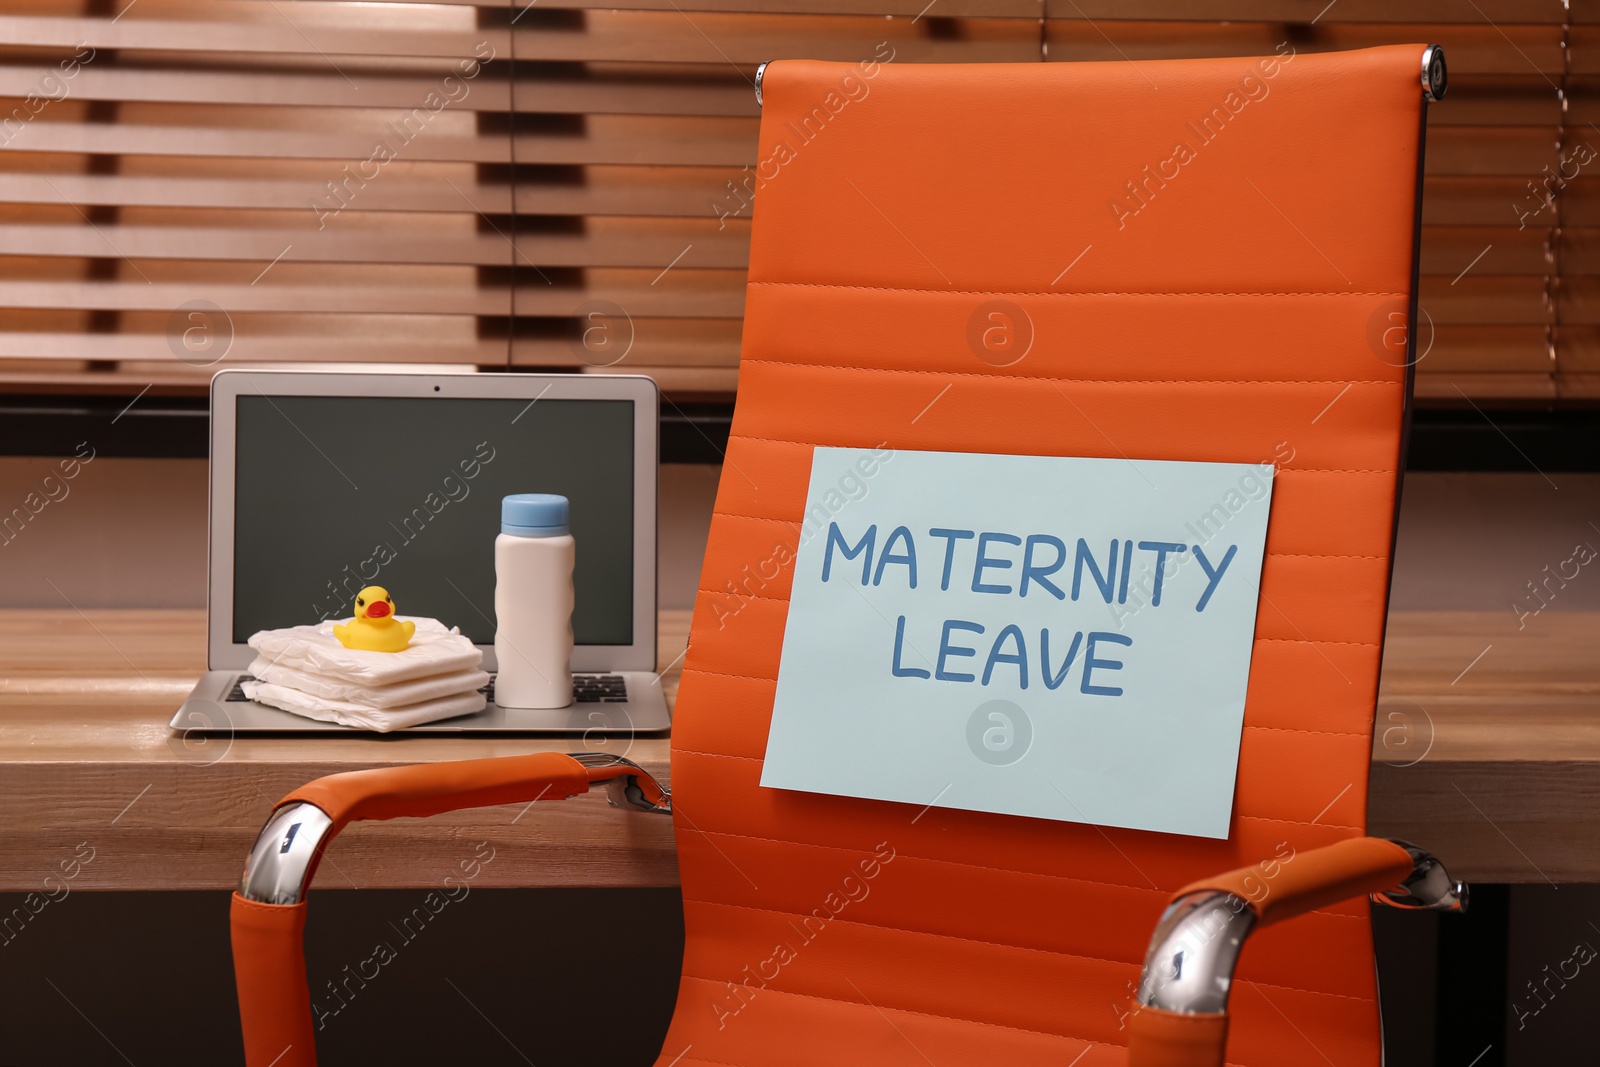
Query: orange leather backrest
{"points": [[1209, 260]]}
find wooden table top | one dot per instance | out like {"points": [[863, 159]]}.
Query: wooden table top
{"points": [[1487, 751], [86, 757]]}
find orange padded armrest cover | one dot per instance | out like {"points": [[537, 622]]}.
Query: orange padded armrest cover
{"points": [[1159, 1038], [269, 939], [431, 788], [1282, 889], [269, 967]]}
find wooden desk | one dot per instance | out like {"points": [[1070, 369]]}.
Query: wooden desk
{"points": [[1492, 761], [1487, 745], [86, 756]]}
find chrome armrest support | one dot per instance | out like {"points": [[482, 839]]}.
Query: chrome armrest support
{"points": [[1196, 945], [623, 790], [1435, 78], [1430, 886], [1190, 963], [285, 853], [760, 73]]}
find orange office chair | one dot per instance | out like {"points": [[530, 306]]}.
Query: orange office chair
{"points": [[1196, 260]]}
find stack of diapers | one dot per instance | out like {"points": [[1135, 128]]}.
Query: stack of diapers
{"points": [[304, 669]]}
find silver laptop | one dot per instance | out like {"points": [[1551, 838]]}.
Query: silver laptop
{"points": [[322, 484]]}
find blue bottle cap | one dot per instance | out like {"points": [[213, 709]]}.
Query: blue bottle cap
{"points": [[533, 515]]}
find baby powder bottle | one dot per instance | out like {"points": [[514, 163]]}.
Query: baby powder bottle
{"points": [[533, 559]]}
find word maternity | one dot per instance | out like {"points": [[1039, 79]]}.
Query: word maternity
{"points": [[1006, 565]]}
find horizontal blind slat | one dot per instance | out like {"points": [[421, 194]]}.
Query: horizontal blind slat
{"points": [[206, 152]]}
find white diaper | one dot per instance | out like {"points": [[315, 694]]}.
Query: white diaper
{"points": [[433, 650], [348, 713], [395, 695], [304, 669]]}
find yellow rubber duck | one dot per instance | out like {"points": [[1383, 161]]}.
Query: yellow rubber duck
{"points": [[375, 629]]}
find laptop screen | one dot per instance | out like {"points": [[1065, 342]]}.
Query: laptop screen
{"points": [[333, 493]]}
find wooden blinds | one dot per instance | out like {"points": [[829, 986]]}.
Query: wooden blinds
{"points": [[186, 184]]}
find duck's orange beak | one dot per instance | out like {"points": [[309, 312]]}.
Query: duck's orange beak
{"points": [[378, 609]]}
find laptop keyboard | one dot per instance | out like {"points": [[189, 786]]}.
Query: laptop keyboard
{"points": [[586, 689]]}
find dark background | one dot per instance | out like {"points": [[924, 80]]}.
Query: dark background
{"points": [[331, 477], [542, 976]]}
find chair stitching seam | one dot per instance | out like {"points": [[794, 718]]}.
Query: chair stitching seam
{"points": [[1295, 470], [932, 859], [981, 941], [912, 1011], [972, 866], [750, 596], [753, 759], [1302, 730], [1048, 292], [1000, 1026], [1072, 381]]}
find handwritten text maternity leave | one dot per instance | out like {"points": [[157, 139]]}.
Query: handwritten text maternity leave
{"points": [[1015, 567]]}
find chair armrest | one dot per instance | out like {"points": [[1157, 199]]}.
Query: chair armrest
{"points": [[1181, 1017], [268, 915]]}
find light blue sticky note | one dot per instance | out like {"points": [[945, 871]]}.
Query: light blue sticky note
{"points": [[1044, 636]]}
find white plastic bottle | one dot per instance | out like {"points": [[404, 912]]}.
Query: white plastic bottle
{"points": [[533, 559]]}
